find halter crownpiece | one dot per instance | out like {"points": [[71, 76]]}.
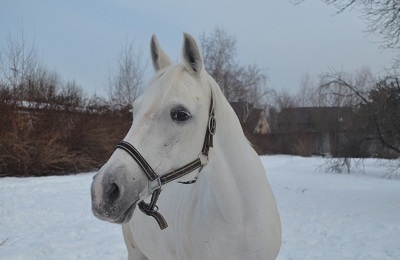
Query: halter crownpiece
{"points": [[151, 209]]}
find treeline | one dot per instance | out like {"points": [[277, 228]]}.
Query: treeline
{"points": [[49, 126], [57, 132], [344, 115]]}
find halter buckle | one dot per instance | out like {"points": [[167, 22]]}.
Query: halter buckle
{"points": [[158, 186], [212, 125]]}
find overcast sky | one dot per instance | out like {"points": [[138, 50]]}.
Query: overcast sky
{"points": [[81, 39]]}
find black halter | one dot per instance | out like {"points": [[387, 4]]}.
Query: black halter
{"points": [[151, 208]]}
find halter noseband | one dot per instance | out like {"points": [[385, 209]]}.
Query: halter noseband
{"points": [[151, 209]]}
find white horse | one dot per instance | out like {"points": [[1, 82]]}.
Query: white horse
{"points": [[228, 213]]}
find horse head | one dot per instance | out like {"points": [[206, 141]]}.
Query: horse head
{"points": [[170, 124]]}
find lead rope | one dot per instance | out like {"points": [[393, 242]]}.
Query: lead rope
{"points": [[151, 209]]}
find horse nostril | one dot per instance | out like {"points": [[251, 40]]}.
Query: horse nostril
{"points": [[113, 193]]}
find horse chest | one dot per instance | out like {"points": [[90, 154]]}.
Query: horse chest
{"points": [[197, 229]]}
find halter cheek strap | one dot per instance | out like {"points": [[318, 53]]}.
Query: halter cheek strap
{"points": [[151, 209]]}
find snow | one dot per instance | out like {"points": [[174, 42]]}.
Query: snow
{"points": [[335, 216], [324, 215]]}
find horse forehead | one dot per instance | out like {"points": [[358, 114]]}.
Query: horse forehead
{"points": [[176, 82]]}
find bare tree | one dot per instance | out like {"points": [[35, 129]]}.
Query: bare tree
{"points": [[219, 53], [18, 61], [72, 96], [252, 85], [340, 89], [374, 118], [125, 84], [284, 99], [23, 75], [239, 83], [383, 106], [307, 94]]}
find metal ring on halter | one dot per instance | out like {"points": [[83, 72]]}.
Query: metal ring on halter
{"points": [[159, 184], [153, 210]]}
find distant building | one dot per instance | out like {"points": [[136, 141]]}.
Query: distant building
{"points": [[313, 119], [253, 120]]}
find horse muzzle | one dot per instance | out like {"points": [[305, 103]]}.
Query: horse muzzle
{"points": [[114, 199]]}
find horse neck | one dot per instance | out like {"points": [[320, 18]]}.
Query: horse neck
{"points": [[230, 138], [233, 167]]}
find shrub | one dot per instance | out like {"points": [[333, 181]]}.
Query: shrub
{"points": [[39, 142], [304, 146]]}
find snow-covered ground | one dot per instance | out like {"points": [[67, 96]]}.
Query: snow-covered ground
{"points": [[324, 216]]}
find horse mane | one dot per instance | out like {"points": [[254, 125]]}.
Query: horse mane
{"points": [[225, 114]]}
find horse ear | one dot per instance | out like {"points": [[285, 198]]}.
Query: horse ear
{"points": [[159, 57], [191, 54]]}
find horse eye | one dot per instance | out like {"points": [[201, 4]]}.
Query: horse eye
{"points": [[180, 114]]}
